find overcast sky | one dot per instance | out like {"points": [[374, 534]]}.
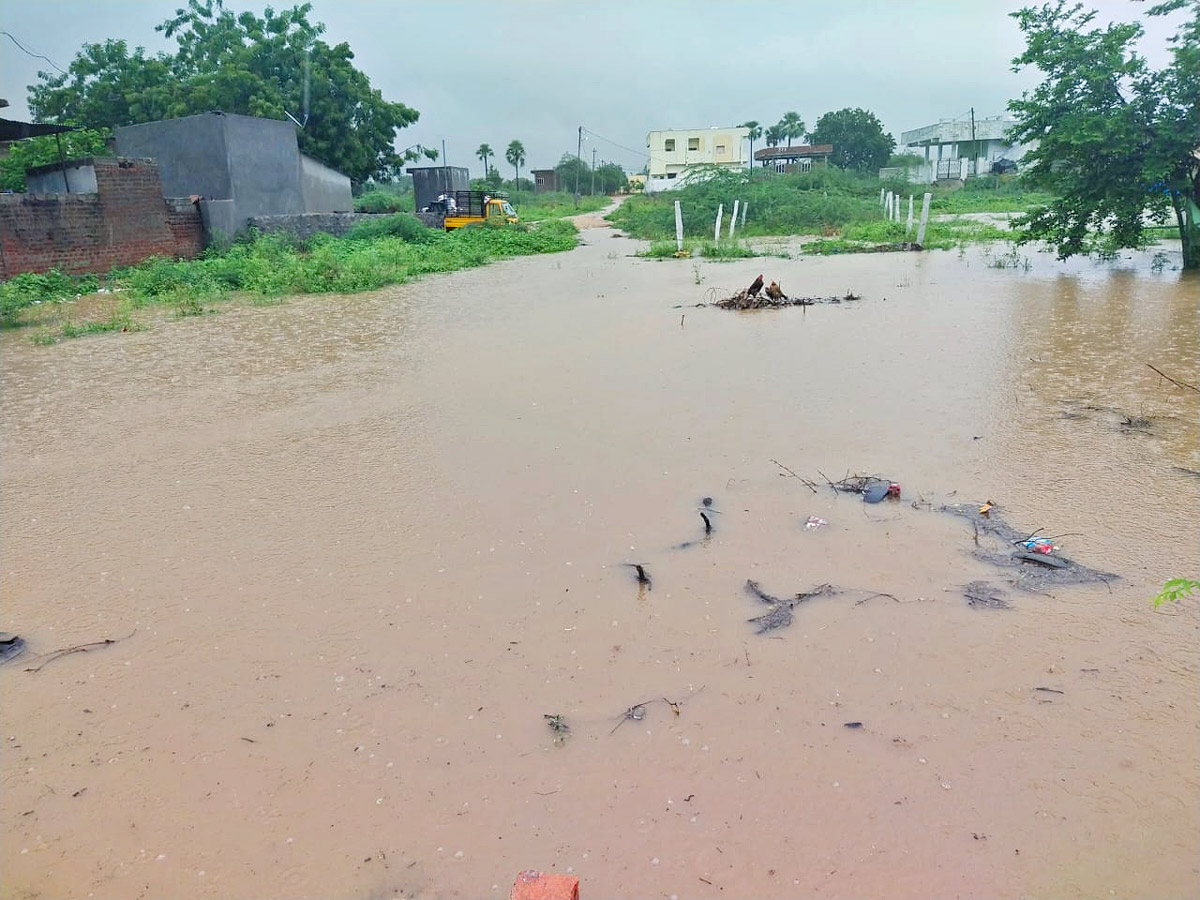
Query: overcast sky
{"points": [[493, 70]]}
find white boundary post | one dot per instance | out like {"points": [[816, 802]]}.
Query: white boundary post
{"points": [[720, 215], [733, 218], [924, 219], [678, 227], [908, 227]]}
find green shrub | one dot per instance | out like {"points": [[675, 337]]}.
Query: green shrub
{"points": [[404, 226], [27, 289], [382, 200]]}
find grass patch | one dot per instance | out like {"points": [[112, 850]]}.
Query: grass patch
{"points": [[271, 266], [988, 193], [882, 236], [709, 249], [534, 207]]}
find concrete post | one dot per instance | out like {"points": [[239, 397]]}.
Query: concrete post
{"points": [[745, 206], [733, 218], [678, 227], [908, 228], [720, 214], [924, 219], [881, 196]]}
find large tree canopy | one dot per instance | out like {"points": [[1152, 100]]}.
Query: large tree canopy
{"points": [[273, 65], [858, 139], [1111, 137]]}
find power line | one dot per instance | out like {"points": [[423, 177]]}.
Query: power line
{"points": [[641, 153], [26, 50]]}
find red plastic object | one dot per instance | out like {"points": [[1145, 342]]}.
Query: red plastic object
{"points": [[531, 885]]}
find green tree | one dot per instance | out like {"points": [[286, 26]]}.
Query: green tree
{"points": [[485, 153], [573, 171], [755, 133], [515, 154], [272, 66], [774, 136], [791, 126], [40, 151], [1112, 138], [610, 178], [858, 139]]}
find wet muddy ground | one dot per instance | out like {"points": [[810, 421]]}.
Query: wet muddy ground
{"points": [[366, 545]]}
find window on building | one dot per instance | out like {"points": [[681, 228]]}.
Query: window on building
{"points": [[694, 143], [671, 174], [541, 179], [720, 149], [669, 145]]}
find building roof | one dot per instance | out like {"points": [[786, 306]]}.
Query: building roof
{"points": [[800, 151], [957, 131], [19, 131]]}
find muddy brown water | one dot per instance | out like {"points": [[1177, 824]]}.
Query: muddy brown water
{"points": [[367, 543]]}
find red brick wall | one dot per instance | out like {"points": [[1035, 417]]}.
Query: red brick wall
{"points": [[124, 222]]}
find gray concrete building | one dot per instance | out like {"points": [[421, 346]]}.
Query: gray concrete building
{"points": [[241, 166]]}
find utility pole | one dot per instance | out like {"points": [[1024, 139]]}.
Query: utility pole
{"points": [[593, 171], [578, 163], [974, 146], [444, 152]]}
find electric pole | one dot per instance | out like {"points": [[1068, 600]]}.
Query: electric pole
{"points": [[593, 171], [974, 146], [578, 162]]}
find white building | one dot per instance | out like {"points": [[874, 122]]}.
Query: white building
{"points": [[960, 148], [674, 152]]}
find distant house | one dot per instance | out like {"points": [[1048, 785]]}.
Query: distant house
{"points": [[675, 154], [545, 180], [960, 148], [800, 158], [242, 166]]}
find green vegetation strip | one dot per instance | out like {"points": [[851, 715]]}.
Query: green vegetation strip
{"points": [[840, 206], [390, 251]]}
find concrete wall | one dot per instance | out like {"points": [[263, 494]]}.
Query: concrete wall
{"points": [[190, 153], [242, 166], [264, 166], [324, 190], [123, 222], [80, 178], [304, 226]]}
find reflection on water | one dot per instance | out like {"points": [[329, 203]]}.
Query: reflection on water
{"points": [[368, 543]]}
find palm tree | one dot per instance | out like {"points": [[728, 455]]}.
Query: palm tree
{"points": [[755, 133], [791, 126], [774, 136], [485, 152], [515, 154]]}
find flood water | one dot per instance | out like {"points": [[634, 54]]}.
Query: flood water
{"points": [[365, 544]]}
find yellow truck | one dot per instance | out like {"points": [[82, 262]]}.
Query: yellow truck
{"points": [[455, 209]]}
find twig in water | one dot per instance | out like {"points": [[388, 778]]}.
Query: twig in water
{"points": [[1182, 384], [873, 596], [804, 481], [78, 648]]}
